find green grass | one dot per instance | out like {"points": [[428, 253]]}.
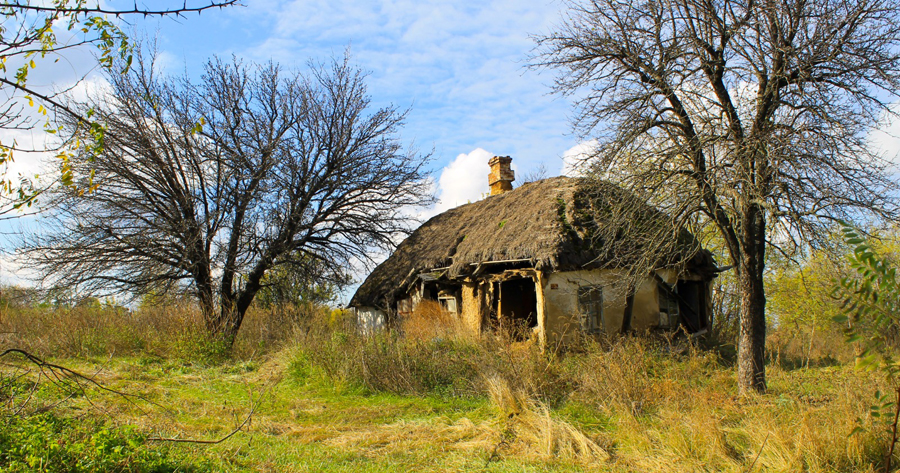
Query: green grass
{"points": [[303, 423], [327, 399]]}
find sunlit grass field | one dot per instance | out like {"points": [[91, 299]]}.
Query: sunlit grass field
{"points": [[320, 397]]}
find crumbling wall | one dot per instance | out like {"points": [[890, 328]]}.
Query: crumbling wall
{"points": [[474, 309], [370, 319], [562, 319]]}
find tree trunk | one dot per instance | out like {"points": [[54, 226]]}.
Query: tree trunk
{"points": [[752, 339], [207, 306], [230, 319], [752, 342], [231, 314]]}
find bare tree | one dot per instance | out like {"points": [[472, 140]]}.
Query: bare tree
{"points": [[750, 116], [211, 185]]}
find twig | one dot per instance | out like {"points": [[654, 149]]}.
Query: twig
{"points": [[761, 447], [62, 377], [890, 455], [30, 393], [105, 11], [253, 407], [61, 374], [495, 454]]}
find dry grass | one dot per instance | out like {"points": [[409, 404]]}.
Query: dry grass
{"points": [[171, 330], [430, 321], [529, 429], [636, 404], [623, 404]]}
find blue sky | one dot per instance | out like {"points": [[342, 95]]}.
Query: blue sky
{"points": [[460, 66]]}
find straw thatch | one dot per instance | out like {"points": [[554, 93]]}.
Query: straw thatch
{"points": [[555, 223]]}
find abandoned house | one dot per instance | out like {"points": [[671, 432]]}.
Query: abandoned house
{"points": [[530, 257]]}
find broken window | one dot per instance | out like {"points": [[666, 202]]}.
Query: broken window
{"points": [[448, 299], [590, 304], [404, 307], [448, 303], [668, 306]]}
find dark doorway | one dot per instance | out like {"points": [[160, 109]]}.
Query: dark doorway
{"points": [[518, 305], [429, 292], [692, 305]]}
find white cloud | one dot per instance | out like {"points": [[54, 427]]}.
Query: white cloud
{"points": [[885, 139], [459, 65], [462, 181], [576, 158], [465, 179], [89, 87]]}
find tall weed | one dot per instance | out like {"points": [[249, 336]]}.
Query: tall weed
{"points": [[173, 329]]}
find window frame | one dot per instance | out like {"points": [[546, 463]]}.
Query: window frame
{"points": [[590, 308]]}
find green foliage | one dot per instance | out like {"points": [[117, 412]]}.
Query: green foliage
{"points": [[308, 282], [561, 216], [799, 304], [47, 443], [870, 300], [798, 294], [196, 346]]}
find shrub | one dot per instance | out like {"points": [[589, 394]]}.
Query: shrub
{"points": [[47, 443]]}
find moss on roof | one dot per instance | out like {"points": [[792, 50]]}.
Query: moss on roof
{"points": [[560, 224]]}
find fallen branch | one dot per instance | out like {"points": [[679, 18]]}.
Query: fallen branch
{"points": [[237, 429], [59, 374], [65, 378]]}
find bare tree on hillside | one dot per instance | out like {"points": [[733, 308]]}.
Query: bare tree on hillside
{"points": [[211, 185], [747, 115]]}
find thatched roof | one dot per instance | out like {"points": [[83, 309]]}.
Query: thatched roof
{"points": [[552, 222]]}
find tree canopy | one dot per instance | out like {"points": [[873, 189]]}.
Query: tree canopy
{"points": [[749, 116], [33, 32], [211, 185]]}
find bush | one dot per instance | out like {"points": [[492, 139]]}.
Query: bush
{"points": [[47, 443]]}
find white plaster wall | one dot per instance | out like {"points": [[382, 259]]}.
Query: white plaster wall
{"points": [[370, 319], [560, 295]]}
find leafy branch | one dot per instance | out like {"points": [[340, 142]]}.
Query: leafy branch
{"points": [[869, 301], [28, 33]]}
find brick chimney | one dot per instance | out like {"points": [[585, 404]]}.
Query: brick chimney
{"points": [[501, 176]]}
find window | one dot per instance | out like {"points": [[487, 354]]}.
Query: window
{"points": [[404, 306], [668, 306], [448, 303], [590, 304]]}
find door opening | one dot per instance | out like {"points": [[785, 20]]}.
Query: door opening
{"points": [[518, 307]]}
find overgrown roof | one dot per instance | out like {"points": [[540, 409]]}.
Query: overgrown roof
{"points": [[558, 223]]}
